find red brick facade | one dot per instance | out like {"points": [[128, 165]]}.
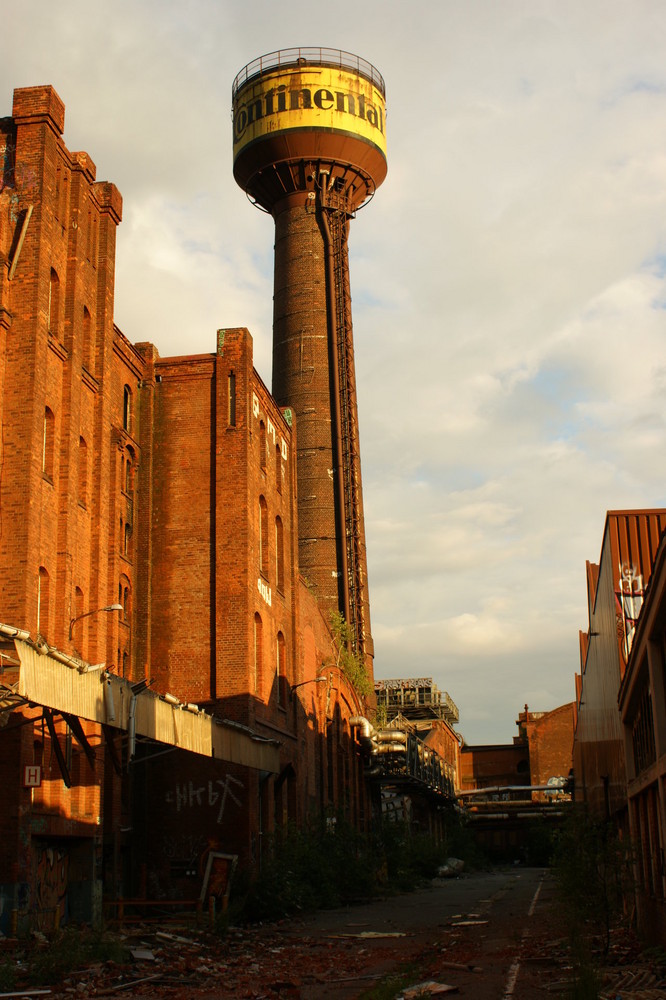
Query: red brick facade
{"points": [[167, 486], [550, 739], [542, 750]]}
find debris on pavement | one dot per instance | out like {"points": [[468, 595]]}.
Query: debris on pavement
{"points": [[428, 989]]}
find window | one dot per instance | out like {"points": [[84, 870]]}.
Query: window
{"points": [[127, 407], [48, 443], [125, 598], [43, 601], [258, 650], [54, 303], [87, 338], [278, 468], [279, 555], [128, 472], [281, 672], [232, 399], [263, 537], [78, 603], [83, 472], [262, 445], [127, 540]]}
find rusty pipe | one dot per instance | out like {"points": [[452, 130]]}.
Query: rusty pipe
{"points": [[339, 481]]}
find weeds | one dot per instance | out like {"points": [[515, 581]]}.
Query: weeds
{"points": [[391, 986], [350, 662], [593, 869], [324, 866], [7, 975], [71, 949]]}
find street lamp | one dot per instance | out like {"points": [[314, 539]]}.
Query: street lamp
{"points": [[322, 679], [109, 607]]}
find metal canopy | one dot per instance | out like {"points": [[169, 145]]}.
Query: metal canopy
{"points": [[67, 685]]}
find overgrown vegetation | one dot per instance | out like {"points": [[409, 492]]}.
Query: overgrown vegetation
{"points": [[390, 986], [331, 864], [592, 865], [349, 661], [71, 949], [7, 975]]}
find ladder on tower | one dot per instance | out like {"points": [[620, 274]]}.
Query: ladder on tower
{"points": [[338, 224]]}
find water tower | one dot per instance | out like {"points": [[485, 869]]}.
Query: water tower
{"points": [[310, 149]]}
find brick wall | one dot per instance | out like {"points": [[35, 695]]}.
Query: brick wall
{"points": [[550, 738], [168, 486]]}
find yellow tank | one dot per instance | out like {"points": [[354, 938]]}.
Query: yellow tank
{"points": [[300, 110]]}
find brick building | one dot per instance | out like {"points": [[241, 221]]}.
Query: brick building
{"points": [[620, 736], [642, 703], [541, 751], [163, 489], [503, 784], [616, 588]]}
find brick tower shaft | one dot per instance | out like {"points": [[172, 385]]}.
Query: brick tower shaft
{"points": [[313, 372], [309, 147]]}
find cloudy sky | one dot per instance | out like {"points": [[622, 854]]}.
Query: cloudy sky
{"points": [[508, 282]]}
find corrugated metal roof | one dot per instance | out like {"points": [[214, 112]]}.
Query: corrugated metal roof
{"points": [[103, 698]]}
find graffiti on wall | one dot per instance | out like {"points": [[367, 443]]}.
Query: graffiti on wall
{"points": [[629, 601], [51, 872], [214, 795]]}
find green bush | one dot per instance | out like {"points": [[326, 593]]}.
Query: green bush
{"points": [[315, 868], [325, 866]]}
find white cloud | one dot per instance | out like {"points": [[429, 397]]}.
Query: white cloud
{"points": [[508, 286]]}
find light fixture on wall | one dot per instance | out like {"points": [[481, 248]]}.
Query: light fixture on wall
{"points": [[109, 607]]}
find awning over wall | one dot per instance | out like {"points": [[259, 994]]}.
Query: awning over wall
{"points": [[70, 686]]}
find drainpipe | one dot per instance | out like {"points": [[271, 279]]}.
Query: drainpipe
{"points": [[339, 481], [131, 728]]}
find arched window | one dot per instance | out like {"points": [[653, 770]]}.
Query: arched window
{"points": [[258, 650], [83, 472], [279, 555], [281, 671], [263, 536], [125, 598], [128, 476], [262, 445], [127, 407], [48, 443], [54, 303], [43, 602], [78, 602], [127, 540], [87, 339]]}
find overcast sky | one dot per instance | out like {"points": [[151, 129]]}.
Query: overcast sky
{"points": [[508, 284]]}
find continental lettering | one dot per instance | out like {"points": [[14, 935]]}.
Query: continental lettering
{"points": [[280, 100], [299, 99]]}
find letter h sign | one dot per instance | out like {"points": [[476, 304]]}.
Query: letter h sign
{"points": [[32, 776]]}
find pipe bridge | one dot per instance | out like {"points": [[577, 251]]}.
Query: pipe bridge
{"points": [[398, 756]]}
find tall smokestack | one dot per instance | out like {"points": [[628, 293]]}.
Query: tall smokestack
{"points": [[310, 149]]}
